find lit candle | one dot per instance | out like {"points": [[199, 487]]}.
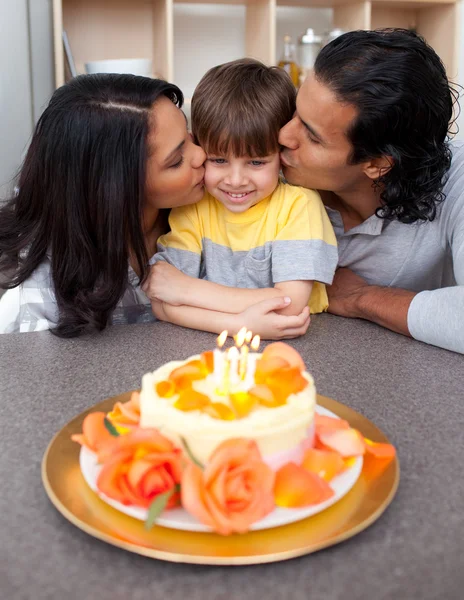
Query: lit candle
{"points": [[219, 359], [240, 341], [232, 359], [251, 362]]}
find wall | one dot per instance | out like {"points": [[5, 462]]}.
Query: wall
{"points": [[26, 78]]}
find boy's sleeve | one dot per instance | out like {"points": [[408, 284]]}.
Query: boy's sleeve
{"points": [[305, 247], [181, 246]]}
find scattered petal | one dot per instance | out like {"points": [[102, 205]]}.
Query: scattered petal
{"points": [[347, 442], [295, 487], [324, 463]]}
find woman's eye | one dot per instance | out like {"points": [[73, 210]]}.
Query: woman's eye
{"points": [[178, 163]]}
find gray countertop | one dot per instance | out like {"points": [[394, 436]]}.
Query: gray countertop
{"points": [[414, 392]]}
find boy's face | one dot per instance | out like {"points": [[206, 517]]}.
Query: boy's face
{"points": [[240, 183]]}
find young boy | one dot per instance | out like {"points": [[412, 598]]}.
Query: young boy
{"points": [[251, 237]]}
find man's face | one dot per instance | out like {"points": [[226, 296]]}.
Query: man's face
{"points": [[316, 147]]}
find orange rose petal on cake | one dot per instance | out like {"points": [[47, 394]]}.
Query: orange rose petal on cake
{"points": [[191, 400], [324, 463], [207, 359], [165, 389], [264, 367], [221, 411], [348, 442], [283, 350], [94, 433], [295, 487], [184, 375], [126, 413], [380, 450], [286, 381], [265, 396], [243, 403]]}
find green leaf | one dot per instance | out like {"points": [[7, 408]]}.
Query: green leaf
{"points": [[110, 427], [190, 454], [157, 507]]}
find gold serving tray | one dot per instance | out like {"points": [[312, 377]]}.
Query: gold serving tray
{"points": [[363, 505]]}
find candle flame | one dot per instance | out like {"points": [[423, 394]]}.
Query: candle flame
{"points": [[255, 342], [240, 337], [248, 337], [221, 340], [232, 352]]}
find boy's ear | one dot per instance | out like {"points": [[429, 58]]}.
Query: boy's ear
{"points": [[378, 167]]}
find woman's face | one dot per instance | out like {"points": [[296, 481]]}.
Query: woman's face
{"points": [[175, 169]]}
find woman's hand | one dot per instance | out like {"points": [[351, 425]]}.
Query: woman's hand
{"points": [[261, 318], [167, 284]]}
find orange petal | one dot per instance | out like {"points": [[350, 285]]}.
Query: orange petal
{"points": [[265, 396], [380, 450], [264, 367], [207, 359], [330, 422], [94, 432], [283, 350], [184, 375], [165, 389], [193, 494], [190, 399], [126, 413], [242, 403], [286, 381], [347, 442], [221, 411], [296, 487], [324, 463]]}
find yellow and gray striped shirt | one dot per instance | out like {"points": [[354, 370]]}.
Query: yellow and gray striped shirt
{"points": [[285, 237]]}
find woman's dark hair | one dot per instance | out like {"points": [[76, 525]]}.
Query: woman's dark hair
{"points": [[399, 87], [80, 196], [240, 106]]}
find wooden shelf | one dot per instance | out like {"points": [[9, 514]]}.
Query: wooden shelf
{"points": [[105, 29]]}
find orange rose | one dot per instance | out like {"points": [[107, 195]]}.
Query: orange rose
{"points": [[94, 433], [140, 466], [234, 490]]}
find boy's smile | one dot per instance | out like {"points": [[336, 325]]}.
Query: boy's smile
{"points": [[241, 182]]}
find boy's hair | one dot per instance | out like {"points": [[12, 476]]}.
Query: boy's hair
{"points": [[239, 108]]}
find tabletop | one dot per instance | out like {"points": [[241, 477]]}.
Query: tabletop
{"points": [[412, 391]]}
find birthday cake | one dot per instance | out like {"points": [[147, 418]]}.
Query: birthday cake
{"points": [[227, 438], [217, 396]]}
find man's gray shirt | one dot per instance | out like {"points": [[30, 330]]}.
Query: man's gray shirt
{"points": [[425, 257]]}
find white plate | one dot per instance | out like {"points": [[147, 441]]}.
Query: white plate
{"points": [[178, 518]]}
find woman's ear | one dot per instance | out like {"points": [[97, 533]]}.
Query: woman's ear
{"points": [[378, 167]]}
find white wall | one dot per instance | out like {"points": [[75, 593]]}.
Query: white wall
{"points": [[26, 78], [15, 88]]}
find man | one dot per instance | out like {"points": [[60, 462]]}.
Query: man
{"points": [[370, 132]]}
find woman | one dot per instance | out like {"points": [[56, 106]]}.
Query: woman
{"points": [[109, 153]]}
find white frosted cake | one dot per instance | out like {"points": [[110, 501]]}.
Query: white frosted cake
{"points": [[271, 401]]}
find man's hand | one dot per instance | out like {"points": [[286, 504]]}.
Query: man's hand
{"points": [[350, 296], [345, 293], [167, 284]]}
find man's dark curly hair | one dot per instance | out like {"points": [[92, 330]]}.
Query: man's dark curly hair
{"points": [[399, 87]]}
